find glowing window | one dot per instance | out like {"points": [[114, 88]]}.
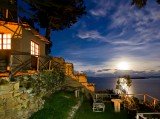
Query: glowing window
{"points": [[34, 48], [5, 41]]}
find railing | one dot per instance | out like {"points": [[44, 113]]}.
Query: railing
{"points": [[19, 67], [148, 116], [146, 99], [18, 63], [23, 61]]}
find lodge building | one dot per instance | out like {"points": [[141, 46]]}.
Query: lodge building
{"points": [[21, 46]]}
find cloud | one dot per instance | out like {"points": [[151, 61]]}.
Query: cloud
{"points": [[102, 8], [104, 70], [130, 34], [93, 34], [83, 67]]}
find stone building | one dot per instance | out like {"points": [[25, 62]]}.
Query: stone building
{"points": [[21, 46]]}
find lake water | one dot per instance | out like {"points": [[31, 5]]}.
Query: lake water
{"points": [[150, 86]]}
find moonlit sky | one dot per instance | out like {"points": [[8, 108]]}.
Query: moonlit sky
{"points": [[112, 31]]}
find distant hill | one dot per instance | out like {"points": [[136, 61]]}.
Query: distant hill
{"points": [[133, 74]]}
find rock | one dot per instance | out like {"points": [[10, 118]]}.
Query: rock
{"points": [[25, 77], [11, 103], [25, 104], [24, 96], [10, 113], [2, 114], [2, 101], [19, 100], [29, 90], [18, 107], [17, 93], [6, 87], [15, 86], [6, 95], [34, 76]]}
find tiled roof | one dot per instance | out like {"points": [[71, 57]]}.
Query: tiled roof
{"points": [[27, 27]]}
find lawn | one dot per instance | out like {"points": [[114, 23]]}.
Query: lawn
{"points": [[57, 106], [85, 112]]}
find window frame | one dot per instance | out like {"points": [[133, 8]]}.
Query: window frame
{"points": [[5, 42], [34, 48]]}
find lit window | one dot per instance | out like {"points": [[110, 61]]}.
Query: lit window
{"points": [[34, 48], [5, 41]]}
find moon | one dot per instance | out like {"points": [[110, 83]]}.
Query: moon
{"points": [[123, 65]]}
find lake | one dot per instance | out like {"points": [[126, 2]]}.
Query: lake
{"points": [[149, 86]]}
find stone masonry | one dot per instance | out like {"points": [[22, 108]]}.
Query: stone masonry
{"points": [[80, 77], [16, 103]]}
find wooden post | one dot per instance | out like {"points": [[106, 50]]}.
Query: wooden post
{"points": [[76, 93], [117, 104], [6, 13], [154, 103], [137, 117], [10, 65], [96, 97], [37, 63], [144, 98], [50, 64]]}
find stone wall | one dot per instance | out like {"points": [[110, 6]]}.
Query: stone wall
{"points": [[20, 99], [80, 77], [69, 70], [16, 103]]}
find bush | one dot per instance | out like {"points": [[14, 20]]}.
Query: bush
{"points": [[44, 83]]}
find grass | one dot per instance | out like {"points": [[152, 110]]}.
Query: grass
{"points": [[57, 106], [85, 112]]}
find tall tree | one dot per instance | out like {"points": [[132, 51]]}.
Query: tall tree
{"points": [[141, 3], [123, 84], [56, 14]]}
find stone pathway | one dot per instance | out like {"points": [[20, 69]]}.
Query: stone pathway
{"points": [[74, 109]]}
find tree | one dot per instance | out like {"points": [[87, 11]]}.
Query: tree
{"points": [[123, 84], [141, 3], [55, 14]]}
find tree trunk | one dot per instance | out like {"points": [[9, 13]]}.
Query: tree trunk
{"points": [[47, 35]]}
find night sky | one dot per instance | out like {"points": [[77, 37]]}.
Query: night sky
{"points": [[109, 33]]}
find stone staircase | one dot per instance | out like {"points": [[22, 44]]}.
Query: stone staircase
{"points": [[3, 65]]}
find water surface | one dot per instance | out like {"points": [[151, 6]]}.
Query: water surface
{"points": [[150, 86]]}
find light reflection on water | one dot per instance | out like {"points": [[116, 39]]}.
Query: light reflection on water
{"points": [[149, 86]]}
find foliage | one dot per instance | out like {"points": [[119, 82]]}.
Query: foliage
{"points": [[45, 83], [141, 3], [57, 106], [157, 107], [123, 83], [128, 78], [55, 14]]}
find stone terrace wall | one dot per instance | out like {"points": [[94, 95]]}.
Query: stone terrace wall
{"points": [[80, 77], [20, 99], [16, 103]]}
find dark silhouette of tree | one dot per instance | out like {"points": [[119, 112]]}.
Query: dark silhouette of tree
{"points": [[55, 14], [141, 3], [123, 83]]}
